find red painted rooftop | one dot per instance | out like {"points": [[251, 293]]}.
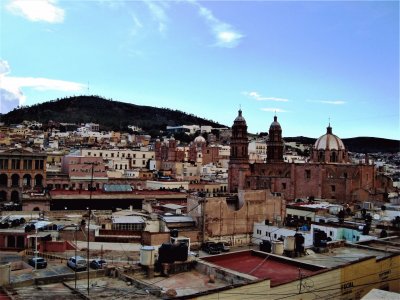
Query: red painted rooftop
{"points": [[264, 266]]}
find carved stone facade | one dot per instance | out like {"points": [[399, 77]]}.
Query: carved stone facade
{"points": [[328, 174]]}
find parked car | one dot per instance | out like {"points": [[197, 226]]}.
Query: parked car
{"points": [[38, 262], [210, 248], [77, 263], [98, 264], [223, 247]]}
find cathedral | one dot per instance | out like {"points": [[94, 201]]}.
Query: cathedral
{"points": [[327, 174]]}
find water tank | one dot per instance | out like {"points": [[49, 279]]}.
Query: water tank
{"points": [[265, 246], [299, 242], [174, 233], [288, 243], [180, 252], [147, 255], [277, 247], [165, 253], [320, 238]]}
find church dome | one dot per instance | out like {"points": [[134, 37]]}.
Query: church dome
{"points": [[329, 141], [199, 140], [275, 124], [240, 118]]}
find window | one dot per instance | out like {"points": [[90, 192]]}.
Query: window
{"points": [[112, 154], [89, 153], [331, 233], [101, 154], [308, 174], [15, 164], [333, 188], [27, 164], [3, 164], [283, 186], [144, 156]]}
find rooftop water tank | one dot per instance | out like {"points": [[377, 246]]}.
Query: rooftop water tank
{"points": [[277, 247], [147, 255], [289, 243]]}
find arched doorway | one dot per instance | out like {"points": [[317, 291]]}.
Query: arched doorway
{"points": [[3, 196], [14, 196], [38, 180], [15, 180], [27, 180], [3, 180]]}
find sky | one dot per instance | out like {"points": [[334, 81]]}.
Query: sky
{"points": [[308, 62]]}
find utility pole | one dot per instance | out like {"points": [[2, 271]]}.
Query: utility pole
{"points": [[76, 245], [36, 251], [88, 226], [88, 232]]}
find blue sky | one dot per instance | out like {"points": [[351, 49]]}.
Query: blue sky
{"points": [[307, 60]]}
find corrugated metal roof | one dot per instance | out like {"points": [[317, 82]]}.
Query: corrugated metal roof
{"points": [[173, 206], [177, 219], [127, 220], [117, 188]]}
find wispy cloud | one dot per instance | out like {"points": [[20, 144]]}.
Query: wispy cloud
{"points": [[157, 10], [271, 109], [258, 97], [11, 87], [225, 34], [37, 10], [332, 102], [137, 25]]}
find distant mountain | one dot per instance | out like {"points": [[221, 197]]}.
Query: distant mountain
{"points": [[358, 144], [110, 114]]}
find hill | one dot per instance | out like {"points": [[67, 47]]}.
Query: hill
{"points": [[110, 114], [358, 144]]}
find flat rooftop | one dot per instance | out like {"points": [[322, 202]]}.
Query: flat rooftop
{"points": [[262, 265], [187, 283], [343, 255]]}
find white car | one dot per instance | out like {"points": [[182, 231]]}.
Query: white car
{"points": [[77, 263]]}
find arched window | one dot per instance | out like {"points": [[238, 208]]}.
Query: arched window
{"points": [[3, 196], [38, 180], [15, 180], [3, 179], [334, 156], [14, 196], [27, 180]]}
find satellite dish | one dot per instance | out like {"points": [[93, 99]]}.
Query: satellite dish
{"points": [[376, 217]]}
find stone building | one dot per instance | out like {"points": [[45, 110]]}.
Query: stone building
{"points": [[230, 218], [21, 170], [327, 175]]}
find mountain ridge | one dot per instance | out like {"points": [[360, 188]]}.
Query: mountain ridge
{"points": [[117, 115], [110, 114]]}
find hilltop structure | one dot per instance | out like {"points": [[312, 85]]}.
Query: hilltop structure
{"points": [[328, 174]]}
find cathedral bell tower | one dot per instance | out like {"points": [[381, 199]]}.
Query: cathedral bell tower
{"points": [[239, 157], [275, 143]]}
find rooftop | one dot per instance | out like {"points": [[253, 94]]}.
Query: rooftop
{"points": [[343, 255], [262, 265]]}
